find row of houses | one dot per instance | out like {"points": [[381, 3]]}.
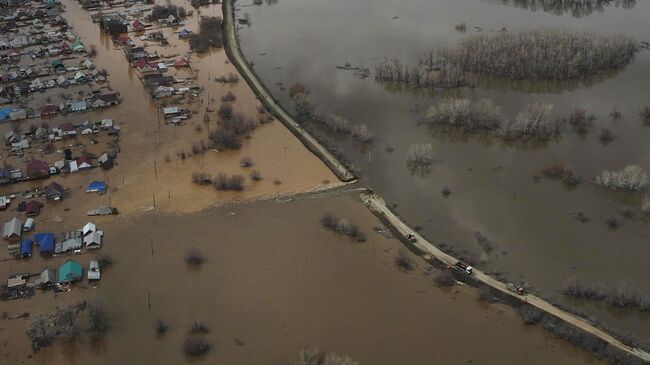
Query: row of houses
{"points": [[20, 286], [31, 71], [15, 231], [12, 55], [74, 106]]}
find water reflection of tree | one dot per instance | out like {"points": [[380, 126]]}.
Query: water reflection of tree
{"points": [[575, 8]]}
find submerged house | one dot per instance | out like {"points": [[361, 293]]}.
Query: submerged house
{"points": [[138, 26], [38, 169], [78, 106], [45, 243], [105, 100], [71, 242], [96, 187], [70, 271], [45, 279], [33, 208], [93, 240], [54, 191], [77, 46]]}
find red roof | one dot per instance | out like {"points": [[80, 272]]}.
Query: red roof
{"points": [[142, 64], [49, 109], [123, 38], [82, 160], [137, 25], [38, 165], [33, 207], [181, 62], [67, 127]]}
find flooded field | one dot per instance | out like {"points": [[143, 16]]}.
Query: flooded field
{"points": [[275, 281], [532, 222]]}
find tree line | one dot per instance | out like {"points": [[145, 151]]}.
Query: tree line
{"points": [[577, 8], [536, 55]]}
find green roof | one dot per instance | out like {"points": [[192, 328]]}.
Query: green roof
{"points": [[77, 45], [70, 271]]}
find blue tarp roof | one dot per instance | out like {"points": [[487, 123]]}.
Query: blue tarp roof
{"points": [[26, 247], [4, 112], [96, 186], [45, 242]]}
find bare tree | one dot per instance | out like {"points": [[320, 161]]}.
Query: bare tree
{"points": [[631, 177], [318, 357]]}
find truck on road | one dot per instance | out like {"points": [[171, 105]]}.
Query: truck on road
{"points": [[466, 268]]}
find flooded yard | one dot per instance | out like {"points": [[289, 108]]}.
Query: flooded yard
{"points": [[537, 227]]}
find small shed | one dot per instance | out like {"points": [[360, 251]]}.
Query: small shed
{"points": [[29, 225], [96, 187], [70, 271], [93, 271], [26, 248]]}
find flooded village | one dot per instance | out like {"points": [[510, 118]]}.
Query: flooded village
{"points": [[163, 200]]}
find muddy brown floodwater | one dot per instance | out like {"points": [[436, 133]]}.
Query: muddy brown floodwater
{"points": [[277, 281], [492, 187]]}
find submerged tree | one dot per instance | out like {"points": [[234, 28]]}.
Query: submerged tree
{"points": [[420, 157], [536, 120], [536, 55], [318, 357], [631, 177]]}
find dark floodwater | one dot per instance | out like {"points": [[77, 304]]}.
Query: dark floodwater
{"points": [[492, 185]]}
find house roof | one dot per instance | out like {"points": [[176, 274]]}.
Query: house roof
{"points": [[94, 239], [54, 188], [81, 160], [5, 112], [26, 247], [77, 45], [96, 186], [70, 271], [67, 127], [108, 98], [90, 227], [47, 276], [33, 207], [78, 105], [37, 165], [45, 242], [142, 64], [49, 109], [123, 38], [181, 62], [12, 228]]}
